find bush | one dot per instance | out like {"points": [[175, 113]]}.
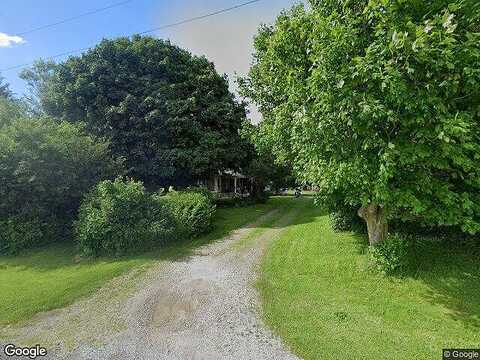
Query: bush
{"points": [[17, 234], [10, 110], [119, 216], [202, 190], [45, 169], [392, 256], [345, 218], [193, 212]]}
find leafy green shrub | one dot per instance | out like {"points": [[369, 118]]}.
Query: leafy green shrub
{"points": [[193, 212], [340, 221], [10, 110], [117, 216], [17, 234], [392, 256], [45, 169], [202, 190], [345, 218]]}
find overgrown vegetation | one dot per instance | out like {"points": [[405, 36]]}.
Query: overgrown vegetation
{"points": [[5, 92], [45, 169], [159, 114], [393, 256], [120, 216], [193, 212], [345, 218]]}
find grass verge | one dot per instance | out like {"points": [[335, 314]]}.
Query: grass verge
{"points": [[321, 297]]}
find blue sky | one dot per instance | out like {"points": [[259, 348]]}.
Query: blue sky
{"points": [[225, 39]]}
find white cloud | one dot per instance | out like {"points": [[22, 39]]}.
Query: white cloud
{"points": [[8, 40]]}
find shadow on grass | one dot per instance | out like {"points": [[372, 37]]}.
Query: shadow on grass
{"points": [[449, 269]]}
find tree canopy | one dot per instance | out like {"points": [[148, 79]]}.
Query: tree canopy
{"points": [[4, 89], [168, 113], [10, 110], [38, 79], [46, 167], [377, 102], [49, 166]]}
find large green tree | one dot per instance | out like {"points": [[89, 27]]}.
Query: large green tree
{"points": [[168, 113], [377, 102]]}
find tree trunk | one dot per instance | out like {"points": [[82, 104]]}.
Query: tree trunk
{"points": [[377, 226]]}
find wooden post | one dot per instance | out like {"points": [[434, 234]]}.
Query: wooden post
{"points": [[235, 184]]}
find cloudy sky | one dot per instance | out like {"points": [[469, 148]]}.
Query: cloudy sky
{"points": [[225, 39]]}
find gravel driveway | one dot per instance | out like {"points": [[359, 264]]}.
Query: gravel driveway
{"points": [[201, 307]]}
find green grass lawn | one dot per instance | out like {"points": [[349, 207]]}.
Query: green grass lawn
{"points": [[48, 278], [321, 297]]}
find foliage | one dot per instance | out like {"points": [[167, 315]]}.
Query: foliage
{"points": [[10, 110], [392, 256], [45, 168], [192, 211], [378, 102], [117, 216], [38, 79], [17, 234], [41, 279], [346, 219], [203, 191], [264, 172], [343, 217], [341, 221], [49, 166], [262, 167], [5, 92], [168, 113], [236, 201]]}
